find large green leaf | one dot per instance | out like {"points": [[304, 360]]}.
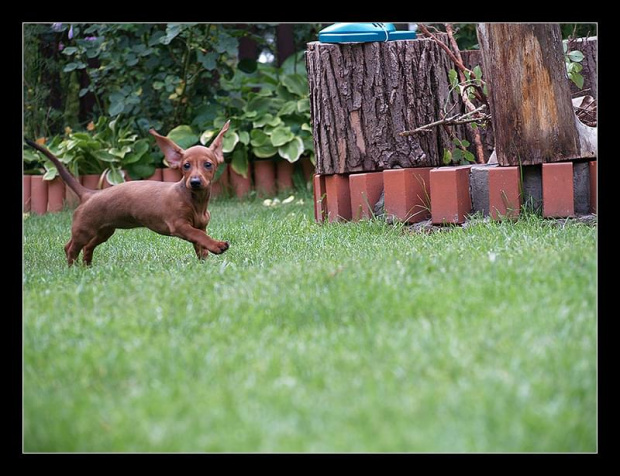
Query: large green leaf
{"points": [[265, 151], [114, 176], [206, 136], [119, 152], [263, 120], [281, 135], [303, 105], [104, 155], [244, 137], [258, 138], [239, 161], [138, 150], [229, 141], [260, 104], [283, 93], [295, 83], [289, 108], [294, 63], [50, 171], [184, 136], [139, 170], [292, 150]]}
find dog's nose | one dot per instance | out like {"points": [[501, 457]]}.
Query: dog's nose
{"points": [[195, 182]]}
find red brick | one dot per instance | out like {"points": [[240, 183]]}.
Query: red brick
{"points": [[593, 186], [407, 193], [338, 197], [320, 202], [55, 195], [450, 199], [504, 195], [557, 189], [365, 192], [27, 195], [38, 190]]}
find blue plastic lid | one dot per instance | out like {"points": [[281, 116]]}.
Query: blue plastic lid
{"points": [[363, 33]]}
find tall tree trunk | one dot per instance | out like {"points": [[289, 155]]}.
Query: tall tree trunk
{"points": [[248, 48], [285, 42], [363, 94], [530, 101], [87, 101]]}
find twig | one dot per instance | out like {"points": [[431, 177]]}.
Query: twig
{"points": [[465, 95], [453, 120], [442, 45]]}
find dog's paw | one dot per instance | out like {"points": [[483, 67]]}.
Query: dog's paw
{"points": [[219, 247]]}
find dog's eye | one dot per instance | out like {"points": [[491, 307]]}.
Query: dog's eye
{"points": [[208, 165], [187, 165]]}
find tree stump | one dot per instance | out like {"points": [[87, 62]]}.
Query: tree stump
{"points": [[363, 94], [529, 94]]}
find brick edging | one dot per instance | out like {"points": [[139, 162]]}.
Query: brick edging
{"points": [[449, 194]]}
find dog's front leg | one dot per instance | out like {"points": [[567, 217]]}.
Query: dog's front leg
{"points": [[199, 238]]}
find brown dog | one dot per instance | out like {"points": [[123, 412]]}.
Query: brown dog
{"points": [[172, 209]]}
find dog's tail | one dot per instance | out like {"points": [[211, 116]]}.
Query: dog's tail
{"points": [[69, 179]]}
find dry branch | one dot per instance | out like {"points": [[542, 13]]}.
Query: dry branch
{"points": [[466, 118]]}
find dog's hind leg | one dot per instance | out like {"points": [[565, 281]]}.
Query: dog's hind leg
{"points": [[102, 236]]}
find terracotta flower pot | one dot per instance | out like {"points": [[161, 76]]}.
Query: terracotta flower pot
{"points": [[265, 177], [90, 181], [38, 190], [71, 199], [308, 168], [26, 193], [241, 185], [55, 195], [222, 185], [157, 175], [171, 175], [284, 175]]}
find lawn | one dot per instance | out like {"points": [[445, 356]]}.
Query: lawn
{"points": [[354, 337]]}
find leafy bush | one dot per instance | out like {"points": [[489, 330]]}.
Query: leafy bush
{"points": [[106, 148], [269, 112], [154, 74], [184, 79]]}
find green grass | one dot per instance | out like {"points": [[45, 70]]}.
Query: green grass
{"points": [[356, 337]]}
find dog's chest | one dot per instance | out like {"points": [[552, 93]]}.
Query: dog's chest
{"points": [[201, 220]]}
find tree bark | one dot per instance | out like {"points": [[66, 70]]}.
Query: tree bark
{"points": [[529, 94], [363, 94]]}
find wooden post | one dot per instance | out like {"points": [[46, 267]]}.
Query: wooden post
{"points": [[363, 94], [529, 94]]}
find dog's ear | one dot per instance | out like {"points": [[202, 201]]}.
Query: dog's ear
{"points": [[217, 144], [172, 152]]}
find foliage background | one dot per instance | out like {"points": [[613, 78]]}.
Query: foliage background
{"points": [[92, 91]]}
